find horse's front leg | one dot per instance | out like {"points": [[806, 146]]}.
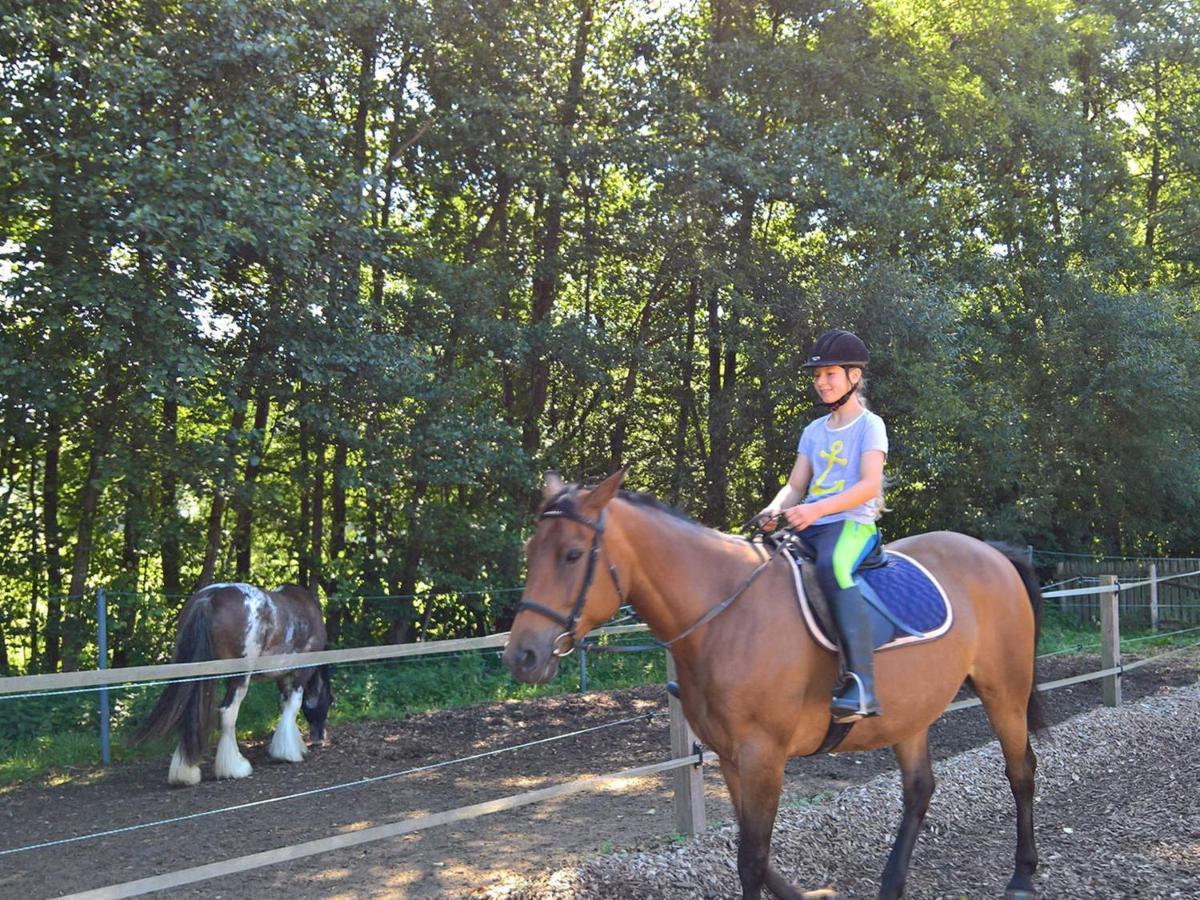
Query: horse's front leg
{"points": [[287, 745], [229, 762], [755, 779]]}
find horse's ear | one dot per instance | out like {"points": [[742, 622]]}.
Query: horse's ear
{"points": [[553, 486], [599, 496]]}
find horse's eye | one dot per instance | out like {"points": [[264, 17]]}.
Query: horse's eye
{"points": [[573, 554]]}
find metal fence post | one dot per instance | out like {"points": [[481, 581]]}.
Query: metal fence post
{"points": [[1153, 597], [583, 670], [689, 782], [1110, 640], [102, 663]]}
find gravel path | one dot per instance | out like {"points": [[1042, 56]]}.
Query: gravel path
{"points": [[497, 856], [1117, 815]]}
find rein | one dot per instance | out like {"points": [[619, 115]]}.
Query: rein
{"points": [[567, 642]]}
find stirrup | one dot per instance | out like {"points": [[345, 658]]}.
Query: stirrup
{"points": [[845, 711]]}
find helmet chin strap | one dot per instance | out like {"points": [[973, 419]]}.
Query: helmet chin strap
{"points": [[841, 401]]}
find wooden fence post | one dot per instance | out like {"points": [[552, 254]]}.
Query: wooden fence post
{"points": [[689, 782], [1153, 597], [1110, 640]]}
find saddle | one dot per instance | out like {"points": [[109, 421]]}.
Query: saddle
{"points": [[904, 601]]}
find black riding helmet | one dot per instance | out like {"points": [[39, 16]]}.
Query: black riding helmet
{"points": [[838, 348]]}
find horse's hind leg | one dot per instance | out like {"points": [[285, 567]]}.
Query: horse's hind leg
{"points": [[917, 775], [287, 745], [1007, 712], [229, 762], [1020, 771]]}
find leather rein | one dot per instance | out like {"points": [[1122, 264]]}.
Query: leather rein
{"points": [[566, 642]]}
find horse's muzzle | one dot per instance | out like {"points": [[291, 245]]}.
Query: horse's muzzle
{"points": [[530, 659]]}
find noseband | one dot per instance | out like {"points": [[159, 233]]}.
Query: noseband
{"points": [[565, 642]]}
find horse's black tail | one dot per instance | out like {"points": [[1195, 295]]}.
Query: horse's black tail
{"points": [[1035, 711], [186, 706]]}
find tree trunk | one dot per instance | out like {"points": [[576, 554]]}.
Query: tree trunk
{"points": [[717, 461], [5, 666], [124, 615], [620, 427], [545, 278], [678, 476], [215, 531], [212, 541], [400, 630], [54, 575], [335, 611], [243, 530], [169, 509], [303, 542], [316, 552], [1157, 177], [89, 501], [371, 580], [37, 561]]}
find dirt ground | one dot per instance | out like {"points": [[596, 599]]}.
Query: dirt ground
{"points": [[488, 856]]}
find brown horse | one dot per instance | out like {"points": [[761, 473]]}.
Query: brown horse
{"points": [[755, 684], [240, 621]]}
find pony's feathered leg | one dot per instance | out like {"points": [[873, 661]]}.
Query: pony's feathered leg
{"points": [[287, 744], [229, 762], [183, 771]]}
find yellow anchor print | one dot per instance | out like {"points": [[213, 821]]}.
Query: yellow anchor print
{"points": [[831, 459]]}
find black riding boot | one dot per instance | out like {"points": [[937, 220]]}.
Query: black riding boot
{"points": [[855, 698]]}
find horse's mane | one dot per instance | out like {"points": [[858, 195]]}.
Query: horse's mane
{"points": [[567, 501]]}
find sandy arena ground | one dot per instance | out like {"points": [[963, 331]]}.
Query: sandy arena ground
{"points": [[1118, 813]]}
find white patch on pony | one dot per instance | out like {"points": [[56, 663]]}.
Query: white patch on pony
{"points": [[229, 762], [287, 744], [182, 772], [259, 607]]}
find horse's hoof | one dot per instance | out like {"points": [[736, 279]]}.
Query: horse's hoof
{"points": [[182, 773], [1019, 894], [235, 768]]}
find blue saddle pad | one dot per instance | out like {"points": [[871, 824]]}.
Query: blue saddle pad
{"points": [[906, 594]]}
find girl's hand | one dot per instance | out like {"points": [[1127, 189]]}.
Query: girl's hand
{"points": [[802, 515], [767, 518]]}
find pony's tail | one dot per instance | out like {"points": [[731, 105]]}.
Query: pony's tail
{"points": [[1035, 710], [186, 706]]}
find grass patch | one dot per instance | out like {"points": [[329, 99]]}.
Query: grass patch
{"points": [[59, 736], [1064, 634]]}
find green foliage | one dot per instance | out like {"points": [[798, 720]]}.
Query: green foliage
{"points": [[314, 292]]}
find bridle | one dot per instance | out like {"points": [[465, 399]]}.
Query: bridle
{"points": [[565, 642]]}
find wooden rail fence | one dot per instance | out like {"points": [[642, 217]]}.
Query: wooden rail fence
{"points": [[687, 757]]}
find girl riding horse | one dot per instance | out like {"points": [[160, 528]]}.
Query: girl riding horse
{"points": [[755, 682], [839, 474]]}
